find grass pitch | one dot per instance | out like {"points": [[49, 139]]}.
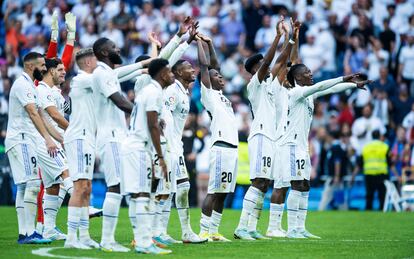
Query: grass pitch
{"points": [[344, 234]]}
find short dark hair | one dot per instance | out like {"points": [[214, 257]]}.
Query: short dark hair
{"points": [[142, 58], [376, 134], [83, 53], [32, 56], [98, 45], [251, 61], [292, 72], [177, 65], [156, 66], [52, 63]]}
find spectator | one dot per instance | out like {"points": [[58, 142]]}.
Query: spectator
{"points": [[363, 128], [345, 113], [381, 106], [387, 37], [401, 105], [376, 59], [406, 59], [364, 30], [37, 28], [233, 34], [147, 20], [27, 18], [326, 42], [355, 56], [121, 20], [252, 13], [265, 35], [114, 34], [385, 83], [408, 124], [89, 37], [400, 154], [312, 55]]}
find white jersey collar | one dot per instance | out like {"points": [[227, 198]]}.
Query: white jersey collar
{"points": [[104, 65], [180, 85], [156, 84], [27, 77]]}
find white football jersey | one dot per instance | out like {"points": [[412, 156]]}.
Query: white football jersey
{"points": [[177, 100], [82, 118], [223, 121], [149, 99], [20, 127], [282, 103], [111, 123], [299, 118], [262, 101], [51, 96]]}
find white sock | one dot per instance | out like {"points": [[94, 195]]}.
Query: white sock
{"points": [[50, 210], [166, 211], [204, 223], [132, 210], [181, 201], [255, 216], [30, 205], [62, 195], [215, 220], [143, 239], [68, 184], [303, 210], [292, 208], [156, 222], [249, 203], [21, 218], [84, 224], [275, 216], [74, 214], [110, 212]]}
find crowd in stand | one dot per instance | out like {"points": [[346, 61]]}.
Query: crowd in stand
{"points": [[337, 37]]}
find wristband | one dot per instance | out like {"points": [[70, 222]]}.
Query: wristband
{"points": [[54, 35], [291, 41], [71, 35]]}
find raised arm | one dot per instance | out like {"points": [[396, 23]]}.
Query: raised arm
{"points": [[54, 27], [182, 48], [213, 57], [155, 44], [270, 54], [280, 68], [167, 51], [204, 63], [67, 55], [133, 75]]}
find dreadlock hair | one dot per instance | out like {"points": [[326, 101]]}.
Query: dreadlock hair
{"points": [[292, 72]]}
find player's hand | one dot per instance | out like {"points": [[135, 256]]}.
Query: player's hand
{"points": [[70, 20], [51, 147], [54, 27], [296, 29], [152, 37], [361, 84], [185, 26], [204, 38], [163, 167], [352, 77], [286, 28], [193, 32], [279, 26]]}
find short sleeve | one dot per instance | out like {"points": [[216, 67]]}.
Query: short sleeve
{"points": [[153, 99], [45, 97], [171, 98], [206, 99], [25, 95], [402, 56], [106, 83]]}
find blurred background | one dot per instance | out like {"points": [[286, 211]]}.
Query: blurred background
{"points": [[375, 37]]}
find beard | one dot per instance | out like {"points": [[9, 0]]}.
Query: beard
{"points": [[115, 58], [37, 74]]}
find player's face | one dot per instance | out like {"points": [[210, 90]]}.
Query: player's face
{"points": [[114, 53], [217, 81], [167, 76], [39, 68], [58, 74], [307, 77], [187, 72]]}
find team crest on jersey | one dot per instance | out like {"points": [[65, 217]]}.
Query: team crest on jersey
{"points": [[299, 173], [223, 186], [171, 100], [49, 97], [29, 95]]}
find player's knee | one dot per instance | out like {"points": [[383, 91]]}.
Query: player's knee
{"points": [[261, 184], [53, 190]]}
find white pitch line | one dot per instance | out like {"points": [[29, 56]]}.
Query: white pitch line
{"points": [[344, 240], [46, 253]]}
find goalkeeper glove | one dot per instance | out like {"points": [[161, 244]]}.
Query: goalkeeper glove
{"points": [[55, 26], [70, 20]]}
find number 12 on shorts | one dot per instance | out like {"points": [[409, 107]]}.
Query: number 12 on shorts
{"points": [[300, 164]]}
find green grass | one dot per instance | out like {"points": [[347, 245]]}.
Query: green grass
{"points": [[344, 234]]}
